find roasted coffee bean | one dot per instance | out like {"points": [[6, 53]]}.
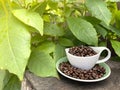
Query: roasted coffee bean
{"points": [[82, 51], [96, 72]]}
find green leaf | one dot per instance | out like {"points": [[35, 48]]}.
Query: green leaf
{"points": [[53, 30], [53, 5], [83, 30], [46, 18], [9, 81], [46, 47], [13, 83], [59, 52], [42, 63], [2, 76], [5, 7], [36, 39], [103, 43], [65, 42], [112, 6], [1, 10], [116, 46], [112, 0], [30, 18], [100, 10], [101, 30], [92, 20], [117, 18], [71, 1], [68, 11], [15, 45], [111, 28], [115, 30], [40, 7]]}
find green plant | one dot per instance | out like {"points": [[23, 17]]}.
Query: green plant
{"points": [[34, 34]]}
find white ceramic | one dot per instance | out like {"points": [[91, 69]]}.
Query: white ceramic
{"points": [[88, 62], [107, 69]]}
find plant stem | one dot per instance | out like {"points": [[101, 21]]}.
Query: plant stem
{"points": [[64, 8]]}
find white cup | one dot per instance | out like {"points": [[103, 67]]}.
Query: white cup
{"points": [[88, 62]]}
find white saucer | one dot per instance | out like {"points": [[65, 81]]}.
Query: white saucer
{"points": [[107, 68]]}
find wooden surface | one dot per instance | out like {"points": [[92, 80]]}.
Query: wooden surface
{"points": [[111, 83]]}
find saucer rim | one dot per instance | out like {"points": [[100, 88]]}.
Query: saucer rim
{"points": [[64, 59]]}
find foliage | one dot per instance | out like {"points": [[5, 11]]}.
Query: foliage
{"points": [[100, 10], [80, 32], [34, 34], [9, 81]]}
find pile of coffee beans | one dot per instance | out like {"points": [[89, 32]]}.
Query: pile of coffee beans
{"points": [[96, 72], [82, 51]]}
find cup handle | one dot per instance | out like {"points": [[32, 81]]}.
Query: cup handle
{"points": [[107, 57]]}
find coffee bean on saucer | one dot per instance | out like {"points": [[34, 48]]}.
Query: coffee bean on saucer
{"points": [[96, 72]]}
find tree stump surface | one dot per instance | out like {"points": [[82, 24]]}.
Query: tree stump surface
{"points": [[38, 83]]}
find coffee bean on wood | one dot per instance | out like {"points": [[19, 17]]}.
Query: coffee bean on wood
{"points": [[82, 51], [96, 72]]}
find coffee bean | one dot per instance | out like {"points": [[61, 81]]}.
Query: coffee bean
{"points": [[82, 51], [96, 72]]}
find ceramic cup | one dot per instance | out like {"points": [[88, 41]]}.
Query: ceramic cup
{"points": [[88, 62]]}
